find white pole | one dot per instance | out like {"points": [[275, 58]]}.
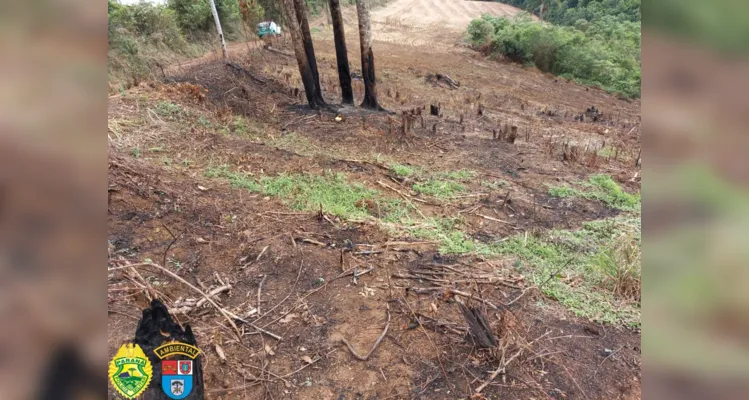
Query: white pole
{"points": [[218, 27]]}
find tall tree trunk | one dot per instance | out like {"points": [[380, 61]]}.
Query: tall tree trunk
{"points": [[341, 53], [367, 57], [309, 49], [308, 79], [218, 27]]}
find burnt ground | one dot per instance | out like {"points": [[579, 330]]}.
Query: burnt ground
{"points": [[164, 207]]}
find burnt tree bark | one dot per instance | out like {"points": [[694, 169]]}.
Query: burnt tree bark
{"points": [[367, 56], [301, 16], [341, 53], [478, 326], [308, 79]]}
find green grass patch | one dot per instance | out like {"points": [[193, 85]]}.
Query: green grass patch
{"points": [[236, 179], [402, 170], [593, 271], [603, 188], [439, 188], [446, 232], [307, 192], [564, 192], [333, 191], [461, 175]]}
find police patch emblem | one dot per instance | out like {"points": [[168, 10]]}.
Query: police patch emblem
{"points": [[176, 375], [130, 371]]}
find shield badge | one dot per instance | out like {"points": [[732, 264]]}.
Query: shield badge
{"points": [[176, 378]]}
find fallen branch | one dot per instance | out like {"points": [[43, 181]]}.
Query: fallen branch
{"points": [[188, 284], [454, 291], [502, 367], [259, 329], [187, 306], [450, 81], [313, 241], [298, 274], [377, 343], [405, 196], [283, 53], [494, 219], [260, 286], [454, 328]]}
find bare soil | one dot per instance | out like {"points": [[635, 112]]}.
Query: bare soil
{"points": [[162, 207]]}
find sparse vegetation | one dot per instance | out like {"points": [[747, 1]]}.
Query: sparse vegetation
{"points": [[495, 185], [169, 110], [603, 188], [462, 175], [439, 188], [443, 185], [593, 271], [402, 170], [445, 232]]}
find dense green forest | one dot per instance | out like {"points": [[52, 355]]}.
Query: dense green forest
{"points": [[595, 42]]}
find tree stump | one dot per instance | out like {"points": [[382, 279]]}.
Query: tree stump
{"points": [[434, 110], [512, 135], [478, 327]]}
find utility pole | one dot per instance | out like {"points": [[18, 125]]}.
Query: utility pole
{"points": [[218, 27], [540, 13]]}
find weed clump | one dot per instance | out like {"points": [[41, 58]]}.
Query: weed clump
{"points": [[402, 171], [439, 188], [602, 188]]}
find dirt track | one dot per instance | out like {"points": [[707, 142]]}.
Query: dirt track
{"points": [[438, 14], [165, 138], [435, 24]]}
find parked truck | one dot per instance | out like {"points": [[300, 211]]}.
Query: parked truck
{"points": [[268, 28]]}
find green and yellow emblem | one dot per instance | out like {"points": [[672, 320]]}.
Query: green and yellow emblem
{"points": [[130, 371]]}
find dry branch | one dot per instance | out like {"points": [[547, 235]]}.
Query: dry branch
{"points": [[502, 367], [187, 306], [454, 291], [283, 53], [377, 343], [494, 219], [188, 284]]}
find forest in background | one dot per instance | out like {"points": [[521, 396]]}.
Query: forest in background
{"points": [[594, 42]]}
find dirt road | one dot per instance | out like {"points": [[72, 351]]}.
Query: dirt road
{"points": [[438, 14], [426, 23]]}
